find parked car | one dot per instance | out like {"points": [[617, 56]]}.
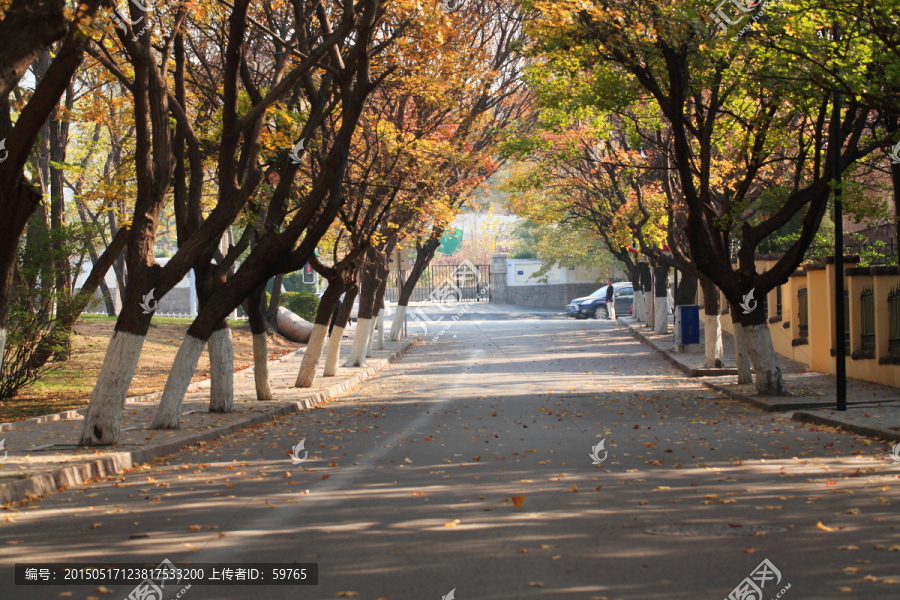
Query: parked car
{"points": [[594, 306]]}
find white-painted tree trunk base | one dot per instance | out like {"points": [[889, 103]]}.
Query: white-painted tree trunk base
{"points": [[261, 367], [370, 347], [650, 309], [169, 411], [104, 412], [661, 315], [381, 330], [357, 356], [221, 371], [741, 356], [397, 323], [639, 307], [712, 336], [306, 377], [333, 355], [769, 380]]}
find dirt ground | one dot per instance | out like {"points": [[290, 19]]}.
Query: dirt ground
{"points": [[70, 384]]}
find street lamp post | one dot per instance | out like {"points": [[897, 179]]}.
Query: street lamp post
{"points": [[840, 325]]}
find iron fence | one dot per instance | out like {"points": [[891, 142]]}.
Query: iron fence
{"points": [[867, 317], [459, 283], [802, 312]]}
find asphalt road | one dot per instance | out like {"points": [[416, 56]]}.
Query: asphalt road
{"points": [[467, 466]]}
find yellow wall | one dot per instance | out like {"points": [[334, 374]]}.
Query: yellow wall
{"points": [[820, 300]]}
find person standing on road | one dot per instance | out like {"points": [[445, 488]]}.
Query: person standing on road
{"points": [[610, 301]]}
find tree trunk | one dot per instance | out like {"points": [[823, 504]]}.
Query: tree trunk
{"points": [[424, 255], [101, 423], [769, 379], [758, 339], [397, 323], [712, 326], [378, 312], [635, 275], [221, 371], [272, 312], [647, 287], [368, 288], [169, 411], [687, 289], [307, 374], [256, 317], [333, 355], [741, 355], [661, 299]]}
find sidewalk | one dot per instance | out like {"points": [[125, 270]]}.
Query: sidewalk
{"points": [[43, 455], [872, 409]]}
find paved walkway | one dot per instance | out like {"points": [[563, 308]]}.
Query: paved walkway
{"points": [[872, 409]]}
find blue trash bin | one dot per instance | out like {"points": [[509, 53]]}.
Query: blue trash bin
{"points": [[688, 331]]}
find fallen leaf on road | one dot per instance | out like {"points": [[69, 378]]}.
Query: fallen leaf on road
{"points": [[819, 525], [518, 500], [452, 523], [347, 594], [848, 548], [535, 584]]}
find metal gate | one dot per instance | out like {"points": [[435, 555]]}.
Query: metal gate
{"points": [[465, 282]]}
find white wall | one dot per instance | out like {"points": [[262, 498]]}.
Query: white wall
{"points": [[520, 271]]}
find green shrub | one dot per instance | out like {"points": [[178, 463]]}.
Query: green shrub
{"points": [[302, 304]]}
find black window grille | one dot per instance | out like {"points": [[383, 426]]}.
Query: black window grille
{"points": [[894, 322], [802, 312], [867, 319]]}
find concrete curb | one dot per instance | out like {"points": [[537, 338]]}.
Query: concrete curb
{"points": [[688, 371], [111, 463], [755, 402], [808, 417]]}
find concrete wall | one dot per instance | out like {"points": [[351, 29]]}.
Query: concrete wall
{"points": [[545, 296], [816, 350]]}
